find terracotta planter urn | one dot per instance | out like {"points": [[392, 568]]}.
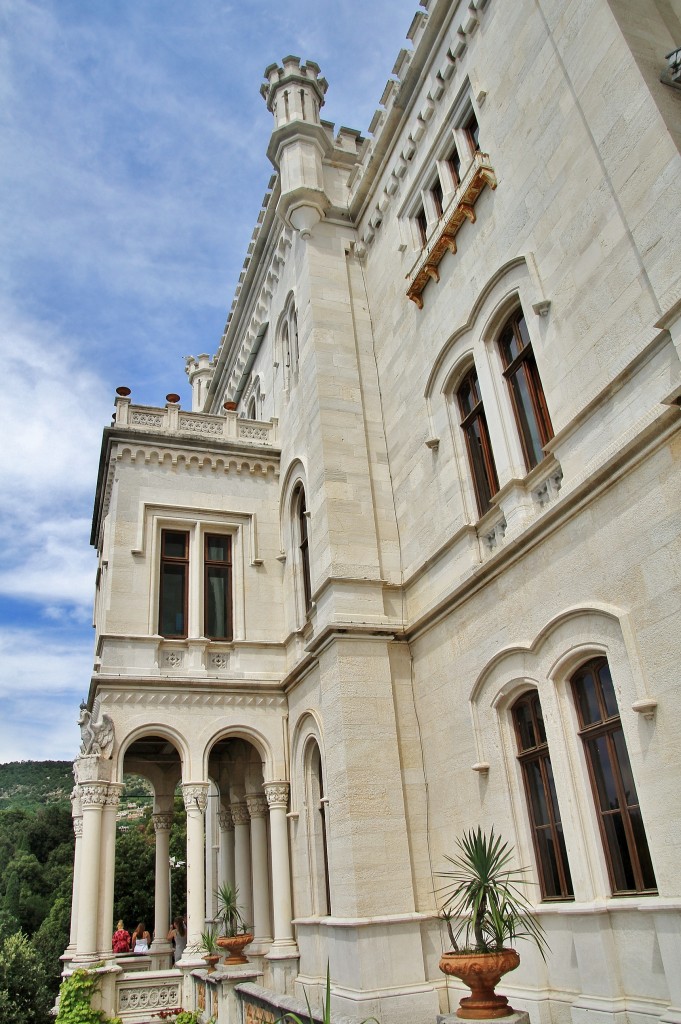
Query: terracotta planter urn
{"points": [[235, 945], [211, 960], [481, 972]]}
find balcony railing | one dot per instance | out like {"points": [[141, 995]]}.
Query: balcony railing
{"points": [[171, 419], [442, 239]]}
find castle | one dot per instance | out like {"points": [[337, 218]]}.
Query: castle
{"points": [[410, 564]]}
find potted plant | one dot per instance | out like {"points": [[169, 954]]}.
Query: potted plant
{"points": [[483, 893], [235, 935], [209, 943]]}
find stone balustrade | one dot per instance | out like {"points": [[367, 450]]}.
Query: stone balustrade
{"points": [[171, 419]]}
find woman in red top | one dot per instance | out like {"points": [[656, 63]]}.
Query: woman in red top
{"points": [[120, 941]]}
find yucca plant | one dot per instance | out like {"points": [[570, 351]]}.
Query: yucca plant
{"points": [[484, 895], [229, 910]]}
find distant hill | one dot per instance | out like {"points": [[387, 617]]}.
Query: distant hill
{"points": [[30, 784]]}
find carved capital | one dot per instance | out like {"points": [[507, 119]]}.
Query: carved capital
{"points": [[93, 794], [240, 815], [113, 796], [163, 822], [78, 827], [195, 794], [225, 820], [257, 806], [277, 794]]}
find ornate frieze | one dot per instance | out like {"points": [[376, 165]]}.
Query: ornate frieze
{"points": [[194, 700], [150, 997]]}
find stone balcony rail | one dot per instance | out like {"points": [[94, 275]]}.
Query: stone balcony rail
{"points": [[173, 420], [442, 238]]}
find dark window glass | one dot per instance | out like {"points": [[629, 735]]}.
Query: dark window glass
{"points": [[172, 606], [624, 840], [217, 567], [422, 225], [474, 426], [304, 547], [454, 161], [437, 195], [542, 801], [527, 395], [473, 131]]}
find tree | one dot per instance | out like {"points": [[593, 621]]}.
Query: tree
{"points": [[24, 995]]}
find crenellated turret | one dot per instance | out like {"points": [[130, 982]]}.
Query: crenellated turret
{"points": [[294, 94], [199, 372]]}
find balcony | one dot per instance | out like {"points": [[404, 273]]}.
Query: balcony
{"points": [[172, 420], [442, 238]]}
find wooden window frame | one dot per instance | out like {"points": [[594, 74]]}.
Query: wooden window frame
{"points": [[225, 563], [524, 363], [540, 755], [421, 225], [167, 560], [607, 727], [467, 421]]}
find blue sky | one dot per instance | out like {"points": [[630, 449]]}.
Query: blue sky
{"points": [[132, 168]]}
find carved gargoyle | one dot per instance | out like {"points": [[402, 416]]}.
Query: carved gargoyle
{"points": [[96, 733]]}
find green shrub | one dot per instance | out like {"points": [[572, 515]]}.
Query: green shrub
{"points": [[75, 998], [24, 997]]}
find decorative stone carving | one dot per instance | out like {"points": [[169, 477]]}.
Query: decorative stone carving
{"points": [[78, 827], [145, 419], [151, 997], [96, 733], [195, 794], [173, 659], [225, 821], [240, 815], [93, 794], [163, 822], [257, 806], [277, 793]]}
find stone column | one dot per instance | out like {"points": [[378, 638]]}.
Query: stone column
{"points": [[226, 867], [242, 860], [78, 830], [93, 796], [107, 868], [257, 808], [277, 799], [195, 796], [163, 822]]}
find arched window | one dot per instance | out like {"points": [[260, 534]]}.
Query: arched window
{"points": [[318, 847], [527, 395], [474, 426], [287, 341], [300, 511], [547, 831], [619, 815]]}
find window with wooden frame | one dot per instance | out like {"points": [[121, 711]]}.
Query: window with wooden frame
{"points": [[474, 427], [619, 815], [303, 545], [542, 802], [174, 576], [421, 225], [217, 586], [472, 130], [525, 388]]}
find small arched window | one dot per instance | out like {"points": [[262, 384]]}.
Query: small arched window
{"points": [[542, 802], [474, 426], [525, 387], [300, 510], [318, 846], [619, 814]]}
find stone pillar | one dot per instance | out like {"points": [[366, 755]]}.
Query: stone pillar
{"points": [[195, 796], [257, 808], [78, 830], [163, 822], [107, 868], [277, 799], [242, 860], [93, 796], [226, 867]]}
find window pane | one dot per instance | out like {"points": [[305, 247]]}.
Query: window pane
{"points": [[173, 579], [585, 693], [602, 769], [535, 785], [539, 718], [217, 548], [625, 767], [525, 726], [527, 421], [509, 345], [549, 862], [619, 853], [569, 890], [217, 592], [608, 691], [642, 849], [483, 486], [174, 544]]}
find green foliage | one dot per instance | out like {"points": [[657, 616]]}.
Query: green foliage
{"points": [[24, 994], [31, 784], [75, 998], [229, 909], [52, 938], [484, 892], [209, 941]]}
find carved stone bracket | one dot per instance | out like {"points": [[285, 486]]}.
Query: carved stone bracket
{"points": [[277, 794]]}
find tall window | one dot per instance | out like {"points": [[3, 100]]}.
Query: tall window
{"points": [[474, 426], [624, 839], [303, 544], [317, 829], [547, 831], [172, 615], [217, 573], [527, 394]]}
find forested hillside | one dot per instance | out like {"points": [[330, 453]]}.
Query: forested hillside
{"points": [[31, 784]]}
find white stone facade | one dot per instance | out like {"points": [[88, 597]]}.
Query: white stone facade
{"points": [[387, 614]]}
